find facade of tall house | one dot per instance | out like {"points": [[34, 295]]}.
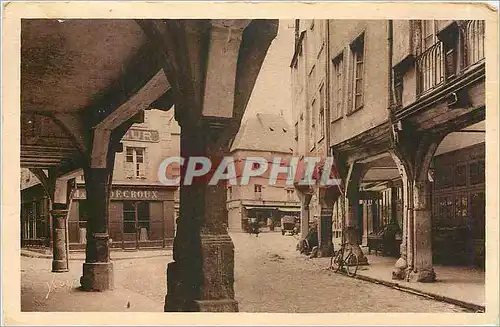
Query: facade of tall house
{"points": [[142, 209], [265, 136], [401, 106]]}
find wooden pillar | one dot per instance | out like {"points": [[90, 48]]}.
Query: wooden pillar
{"points": [[305, 200], [364, 240], [354, 177], [212, 71], [325, 223], [403, 264], [60, 244], [422, 242], [413, 156], [97, 268], [202, 275], [352, 228]]}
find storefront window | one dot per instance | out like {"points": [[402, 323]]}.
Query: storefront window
{"points": [[82, 214], [476, 171], [135, 216], [129, 217], [445, 210], [444, 177], [461, 210], [143, 215], [41, 219], [460, 175], [477, 215]]}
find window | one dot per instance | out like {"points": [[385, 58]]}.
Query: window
{"points": [[258, 191], [444, 177], [477, 211], [430, 63], [474, 41], [129, 217], [255, 166], [459, 194], [356, 95], [135, 216], [461, 212], [338, 86], [321, 112], [135, 166], [312, 136], [476, 171], [445, 210], [428, 34], [296, 131], [312, 81], [83, 213], [460, 175], [143, 215], [289, 195], [229, 192], [41, 218]]}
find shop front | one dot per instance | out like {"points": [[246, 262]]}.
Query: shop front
{"points": [[267, 216], [35, 219], [459, 207], [139, 217]]}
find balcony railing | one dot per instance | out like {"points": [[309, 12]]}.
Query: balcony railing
{"points": [[430, 68], [473, 36], [461, 48]]}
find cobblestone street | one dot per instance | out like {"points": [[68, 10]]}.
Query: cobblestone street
{"points": [[270, 276]]}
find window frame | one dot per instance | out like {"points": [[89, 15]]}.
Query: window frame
{"points": [[257, 188], [138, 168], [357, 48], [338, 86], [321, 113], [433, 35]]}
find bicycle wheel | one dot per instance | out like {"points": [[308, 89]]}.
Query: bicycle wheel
{"points": [[351, 264], [339, 261], [333, 260]]}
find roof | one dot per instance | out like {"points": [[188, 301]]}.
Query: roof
{"points": [[264, 132]]}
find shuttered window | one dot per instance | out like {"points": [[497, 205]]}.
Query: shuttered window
{"points": [[135, 163]]}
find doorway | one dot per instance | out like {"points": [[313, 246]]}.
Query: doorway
{"points": [[136, 223]]}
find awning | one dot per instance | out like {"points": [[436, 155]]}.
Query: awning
{"points": [[289, 209], [260, 208]]}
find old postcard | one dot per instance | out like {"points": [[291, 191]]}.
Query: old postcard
{"points": [[183, 163]]}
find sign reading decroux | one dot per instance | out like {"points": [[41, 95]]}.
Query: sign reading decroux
{"points": [[125, 194]]}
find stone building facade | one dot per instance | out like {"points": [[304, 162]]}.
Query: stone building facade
{"points": [[402, 112], [142, 210], [265, 136]]}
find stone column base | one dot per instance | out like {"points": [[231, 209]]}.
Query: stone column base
{"points": [[399, 270], [203, 286], [181, 288], [226, 305], [362, 259], [423, 276], [60, 266], [326, 250], [97, 276]]}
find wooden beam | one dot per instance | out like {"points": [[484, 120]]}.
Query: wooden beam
{"points": [[470, 131], [36, 164], [141, 100]]}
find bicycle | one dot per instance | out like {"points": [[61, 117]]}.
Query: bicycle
{"points": [[345, 260]]}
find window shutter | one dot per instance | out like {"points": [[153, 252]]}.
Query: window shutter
{"points": [[144, 165], [128, 169], [350, 84]]}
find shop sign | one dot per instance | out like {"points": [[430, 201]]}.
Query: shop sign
{"points": [[125, 194], [142, 135]]}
